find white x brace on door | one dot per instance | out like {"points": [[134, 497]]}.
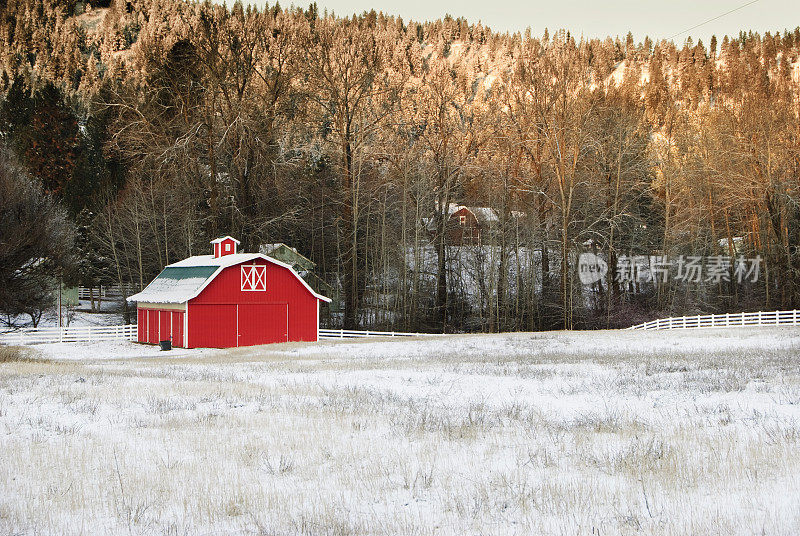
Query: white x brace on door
{"points": [[254, 277]]}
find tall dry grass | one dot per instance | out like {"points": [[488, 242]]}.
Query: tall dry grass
{"points": [[524, 434]]}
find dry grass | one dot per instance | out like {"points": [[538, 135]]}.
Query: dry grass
{"points": [[9, 354], [527, 434]]}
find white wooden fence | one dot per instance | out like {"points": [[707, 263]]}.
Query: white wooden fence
{"points": [[760, 318], [351, 334], [106, 291], [128, 332], [69, 334]]}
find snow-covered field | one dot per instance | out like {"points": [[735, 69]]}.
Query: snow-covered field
{"points": [[693, 432]]}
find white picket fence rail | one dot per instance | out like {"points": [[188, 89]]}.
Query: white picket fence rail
{"points": [[352, 334], [69, 334], [128, 332], [725, 320]]}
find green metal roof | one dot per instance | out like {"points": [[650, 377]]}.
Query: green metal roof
{"points": [[176, 284], [188, 272]]}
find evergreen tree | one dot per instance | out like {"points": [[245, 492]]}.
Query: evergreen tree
{"points": [[37, 242], [43, 131], [92, 269]]}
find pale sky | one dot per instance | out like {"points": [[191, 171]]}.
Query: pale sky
{"points": [[591, 18]]}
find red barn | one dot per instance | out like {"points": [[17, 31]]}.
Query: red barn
{"points": [[463, 227], [226, 300]]}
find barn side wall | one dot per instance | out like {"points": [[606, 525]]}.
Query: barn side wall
{"points": [[160, 322], [212, 318]]}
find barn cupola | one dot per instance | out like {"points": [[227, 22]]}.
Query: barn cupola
{"points": [[224, 246]]}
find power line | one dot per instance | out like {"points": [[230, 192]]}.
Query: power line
{"points": [[712, 19]]}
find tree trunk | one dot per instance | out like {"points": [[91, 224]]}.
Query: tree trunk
{"points": [[441, 269]]}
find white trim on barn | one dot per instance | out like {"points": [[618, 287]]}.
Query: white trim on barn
{"points": [[220, 240], [253, 277], [186, 327], [220, 263], [165, 306]]}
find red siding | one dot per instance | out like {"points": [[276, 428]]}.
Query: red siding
{"points": [[468, 232], [213, 318], [141, 325], [164, 326], [152, 326], [177, 328], [262, 324], [155, 325], [227, 247], [212, 326]]}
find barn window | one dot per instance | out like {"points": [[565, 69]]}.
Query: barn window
{"points": [[254, 277], [228, 246], [462, 220]]}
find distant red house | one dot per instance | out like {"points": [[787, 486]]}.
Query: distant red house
{"points": [[466, 226], [226, 300], [473, 226], [463, 227]]}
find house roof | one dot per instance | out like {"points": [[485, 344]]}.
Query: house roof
{"points": [[279, 249], [484, 214], [181, 281], [218, 240]]}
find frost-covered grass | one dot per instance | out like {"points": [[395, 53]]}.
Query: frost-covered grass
{"points": [[693, 432]]}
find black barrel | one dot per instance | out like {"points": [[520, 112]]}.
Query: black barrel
{"points": [[165, 345]]}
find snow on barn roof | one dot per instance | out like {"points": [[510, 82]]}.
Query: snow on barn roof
{"points": [[174, 284], [181, 281], [223, 261], [221, 239]]}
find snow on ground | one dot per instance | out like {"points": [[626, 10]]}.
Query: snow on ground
{"points": [[109, 314], [683, 432], [88, 318], [88, 351]]}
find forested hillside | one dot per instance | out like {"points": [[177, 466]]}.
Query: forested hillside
{"points": [[161, 124]]}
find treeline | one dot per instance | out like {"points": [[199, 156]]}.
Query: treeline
{"points": [[164, 123]]}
